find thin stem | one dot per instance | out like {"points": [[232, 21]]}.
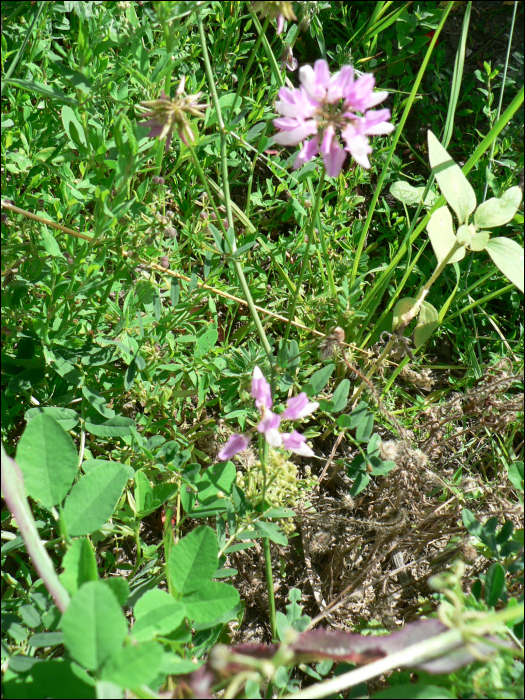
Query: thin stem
{"points": [[397, 135], [502, 90], [269, 586], [406, 318], [310, 235], [248, 66], [226, 189]]}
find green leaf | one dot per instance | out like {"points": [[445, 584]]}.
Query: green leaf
{"points": [[497, 212], [193, 560], [133, 666], [90, 464], [495, 587], [360, 483], [441, 234], [65, 417], [206, 340], [365, 428], [471, 238], [48, 459], [319, 380], [94, 626], [516, 475], [411, 196], [50, 243], [471, 523], [339, 398], [507, 255], [402, 307], [210, 603], [79, 564], [427, 323], [419, 691], [115, 427], [264, 529], [73, 127], [26, 380], [94, 498], [50, 678], [156, 614], [98, 402], [48, 91], [455, 187], [219, 477]]}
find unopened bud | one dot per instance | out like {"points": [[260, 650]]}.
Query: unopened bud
{"points": [[164, 262]]}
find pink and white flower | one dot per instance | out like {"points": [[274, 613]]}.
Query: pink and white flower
{"points": [[297, 407], [326, 108]]}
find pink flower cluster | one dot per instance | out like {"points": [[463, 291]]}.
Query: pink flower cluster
{"points": [[327, 107], [297, 407]]}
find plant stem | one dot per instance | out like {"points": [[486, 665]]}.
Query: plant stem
{"points": [[248, 66], [397, 135], [310, 235], [269, 586], [226, 189], [411, 314]]}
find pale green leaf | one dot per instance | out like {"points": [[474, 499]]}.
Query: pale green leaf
{"points": [[471, 238], [507, 255], [455, 187], [402, 307], [428, 321], [441, 234], [497, 212], [411, 196]]}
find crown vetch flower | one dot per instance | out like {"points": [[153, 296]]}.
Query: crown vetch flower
{"points": [[326, 108], [166, 114], [297, 407]]}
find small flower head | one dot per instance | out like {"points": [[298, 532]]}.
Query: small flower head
{"points": [[297, 407], [166, 114], [326, 108], [288, 60], [275, 9]]}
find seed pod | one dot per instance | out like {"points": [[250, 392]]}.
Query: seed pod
{"points": [[164, 262]]}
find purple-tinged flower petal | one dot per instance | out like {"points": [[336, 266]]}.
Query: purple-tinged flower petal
{"points": [[261, 390], [315, 80], [269, 425], [339, 84], [280, 23], [356, 145], [308, 151], [295, 103], [293, 137], [236, 443], [296, 443], [299, 407], [334, 159], [376, 122]]}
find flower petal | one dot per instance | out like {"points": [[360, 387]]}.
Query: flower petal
{"points": [[334, 159], [308, 151], [295, 136], [299, 407], [236, 443], [296, 443], [261, 390]]}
